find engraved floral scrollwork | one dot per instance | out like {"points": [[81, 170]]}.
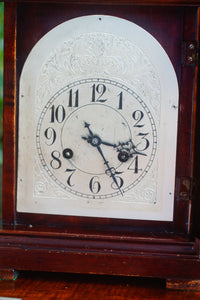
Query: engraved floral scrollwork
{"points": [[43, 186], [99, 54]]}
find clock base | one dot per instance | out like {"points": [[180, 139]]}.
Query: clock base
{"points": [[173, 258], [171, 284], [186, 285], [8, 274]]}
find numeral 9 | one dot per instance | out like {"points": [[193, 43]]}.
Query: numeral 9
{"points": [[50, 135]]}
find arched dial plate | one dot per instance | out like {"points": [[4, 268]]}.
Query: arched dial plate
{"points": [[101, 139]]}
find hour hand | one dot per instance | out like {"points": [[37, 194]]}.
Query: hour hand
{"points": [[134, 149], [87, 125], [91, 136], [130, 147], [87, 138], [108, 144], [94, 140], [127, 147]]}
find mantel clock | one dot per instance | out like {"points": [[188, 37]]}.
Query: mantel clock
{"points": [[101, 123]]}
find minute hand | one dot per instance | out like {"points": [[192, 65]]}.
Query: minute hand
{"points": [[110, 169]]}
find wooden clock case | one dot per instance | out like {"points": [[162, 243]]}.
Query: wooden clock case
{"points": [[42, 242]]}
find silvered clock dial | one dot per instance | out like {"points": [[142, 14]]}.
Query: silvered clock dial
{"points": [[96, 138], [102, 142]]}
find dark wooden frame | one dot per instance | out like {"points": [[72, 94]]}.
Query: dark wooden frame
{"points": [[186, 73], [100, 245]]}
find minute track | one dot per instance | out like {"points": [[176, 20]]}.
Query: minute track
{"points": [[122, 145]]}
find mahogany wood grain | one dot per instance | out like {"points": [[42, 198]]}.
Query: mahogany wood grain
{"points": [[193, 285], [196, 175], [174, 258], [8, 274], [9, 120], [120, 2], [54, 286]]}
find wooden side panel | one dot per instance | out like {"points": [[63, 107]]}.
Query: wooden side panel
{"points": [[9, 138], [185, 150], [196, 176]]}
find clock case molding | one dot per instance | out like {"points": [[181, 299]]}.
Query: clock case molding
{"points": [[102, 245]]}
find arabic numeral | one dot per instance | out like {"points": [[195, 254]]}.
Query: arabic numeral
{"points": [[73, 97], [55, 163], [97, 93], [144, 144], [138, 116], [120, 182], [70, 176], [94, 185], [120, 100], [50, 135], [134, 165], [57, 113]]}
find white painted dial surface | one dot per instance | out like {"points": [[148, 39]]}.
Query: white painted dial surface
{"points": [[122, 125], [101, 139]]}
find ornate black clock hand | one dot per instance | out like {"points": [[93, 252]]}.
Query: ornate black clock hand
{"points": [[109, 170], [99, 139], [95, 141], [108, 144], [130, 144], [134, 148], [87, 125], [124, 152], [127, 151]]}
